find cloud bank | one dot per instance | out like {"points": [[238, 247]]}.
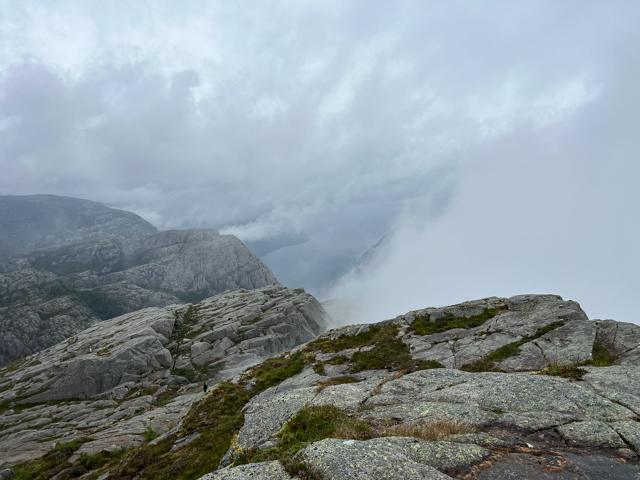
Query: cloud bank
{"points": [[495, 143]]}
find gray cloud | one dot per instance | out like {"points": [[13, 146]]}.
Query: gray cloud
{"points": [[341, 122]]}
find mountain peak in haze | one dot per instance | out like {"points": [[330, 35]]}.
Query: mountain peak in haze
{"points": [[30, 222]]}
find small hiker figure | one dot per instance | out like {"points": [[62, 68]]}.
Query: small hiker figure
{"points": [[204, 387], [90, 350]]}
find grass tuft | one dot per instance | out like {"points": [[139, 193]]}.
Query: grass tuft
{"points": [[425, 326], [51, 463], [601, 356], [310, 425], [487, 364], [389, 352], [150, 435], [100, 459], [218, 417], [558, 369]]}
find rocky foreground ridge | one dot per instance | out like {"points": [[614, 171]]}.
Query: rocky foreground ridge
{"points": [[122, 378], [52, 294], [525, 387]]}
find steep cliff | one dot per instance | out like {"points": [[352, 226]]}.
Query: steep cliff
{"points": [[37, 311]]}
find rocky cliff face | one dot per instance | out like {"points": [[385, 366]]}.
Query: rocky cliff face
{"points": [[29, 222], [120, 378], [37, 311], [109, 276], [177, 261]]}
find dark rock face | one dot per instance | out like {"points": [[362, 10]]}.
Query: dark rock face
{"points": [[29, 222], [36, 312]]}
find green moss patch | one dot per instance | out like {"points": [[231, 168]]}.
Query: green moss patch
{"points": [[150, 435], [389, 352], [310, 425], [50, 464], [487, 364], [557, 369], [217, 417], [425, 326], [601, 356], [363, 339]]}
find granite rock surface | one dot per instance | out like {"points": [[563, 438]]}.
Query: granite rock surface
{"points": [[52, 294], [525, 418], [30, 222], [119, 378], [528, 386]]}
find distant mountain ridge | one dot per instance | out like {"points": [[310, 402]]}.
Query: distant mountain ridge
{"points": [[30, 222], [121, 264]]}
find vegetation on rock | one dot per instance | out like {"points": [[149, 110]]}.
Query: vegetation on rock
{"points": [[601, 355], [487, 364], [425, 326], [558, 369], [53, 463]]}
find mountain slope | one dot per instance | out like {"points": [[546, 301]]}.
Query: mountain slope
{"points": [[29, 222], [109, 276], [524, 387], [37, 311], [426, 394], [120, 377]]}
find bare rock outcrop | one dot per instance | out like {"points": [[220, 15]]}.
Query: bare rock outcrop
{"points": [[36, 311], [110, 276], [520, 387], [540, 388], [113, 380]]}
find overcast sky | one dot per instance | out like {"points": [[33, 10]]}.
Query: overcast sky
{"points": [[495, 143]]}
